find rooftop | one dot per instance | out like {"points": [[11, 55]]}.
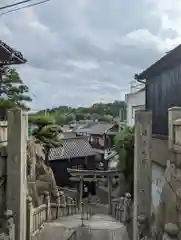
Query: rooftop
{"points": [[64, 135], [9, 55], [171, 59], [73, 148], [96, 128]]}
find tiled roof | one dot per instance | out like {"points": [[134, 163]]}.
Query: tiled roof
{"points": [[98, 128], [67, 135], [72, 148], [10, 55]]}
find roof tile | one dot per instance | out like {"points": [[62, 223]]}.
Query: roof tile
{"points": [[72, 148]]}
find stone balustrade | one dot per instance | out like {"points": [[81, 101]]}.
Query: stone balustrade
{"points": [[37, 217], [171, 232], [121, 208]]}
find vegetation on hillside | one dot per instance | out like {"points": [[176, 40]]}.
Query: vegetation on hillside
{"points": [[46, 132], [12, 90], [101, 111], [124, 145]]}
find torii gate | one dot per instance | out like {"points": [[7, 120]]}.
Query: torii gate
{"points": [[79, 174]]}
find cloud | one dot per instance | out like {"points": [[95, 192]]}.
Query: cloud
{"points": [[84, 51]]}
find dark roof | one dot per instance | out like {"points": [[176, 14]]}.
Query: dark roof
{"points": [[67, 135], [72, 148], [171, 59], [86, 125], [9, 55], [96, 129]]}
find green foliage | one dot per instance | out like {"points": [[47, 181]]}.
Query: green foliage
{"points": [[106, 118], [79, 116], [46, 132], [12, 90], [102, 111], [124, 144]]}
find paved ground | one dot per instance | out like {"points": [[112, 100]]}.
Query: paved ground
{"points": [[100, 227]]}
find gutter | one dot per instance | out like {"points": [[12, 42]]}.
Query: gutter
{"points": [[138, 80]]}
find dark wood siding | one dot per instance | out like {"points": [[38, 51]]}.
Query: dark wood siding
{"points": [[59, 168], [163, 92]]}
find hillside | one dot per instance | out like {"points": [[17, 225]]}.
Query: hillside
{"points": [[101, 111]]}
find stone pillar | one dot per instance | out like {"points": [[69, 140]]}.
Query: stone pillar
{"points": [[142, 168], [127, 206], [16, 169], [29, 221], [110, 193], [174, 113], [81, 191], [48, 209], [58, 205]]}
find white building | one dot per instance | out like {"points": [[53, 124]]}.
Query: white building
{"points": [[135, 101]]}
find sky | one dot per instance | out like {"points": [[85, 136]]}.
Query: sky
{"points": [[84, 51]]}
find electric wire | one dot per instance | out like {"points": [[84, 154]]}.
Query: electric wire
{"points": [[27, 6], [14, 4]]}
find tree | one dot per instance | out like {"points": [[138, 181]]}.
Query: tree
{"points": [[12, 89], [46, 133], [124, 145], [106, 118], [79, 116]]}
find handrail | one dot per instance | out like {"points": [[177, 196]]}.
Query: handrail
{"points": [[39, 218], [121, 208], [49, 211]]}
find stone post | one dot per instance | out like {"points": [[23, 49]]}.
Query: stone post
{"points": [[174, 113], [143, 227], [142, 168], [16, 169], [170, 232], [58, 205], [81, 192], [10, 225], [110, 194], [126, 210], [48, 209], [29, 221], [121, 209]]}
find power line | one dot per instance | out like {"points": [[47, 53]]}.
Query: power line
{"points": [[27, 6], [15, 4]]}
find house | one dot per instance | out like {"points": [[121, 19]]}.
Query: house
{"points": [[100, 135], [162, 91], [135, 100], [76, 152]]}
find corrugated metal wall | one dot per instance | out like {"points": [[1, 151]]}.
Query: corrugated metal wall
{"points": [[162, 92]]}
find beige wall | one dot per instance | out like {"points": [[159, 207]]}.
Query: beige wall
{"points": [[135, 101], [160, 152]]}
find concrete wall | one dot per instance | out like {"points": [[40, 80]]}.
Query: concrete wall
{"points": [[159, 155], [135, 101], [160, 152]]}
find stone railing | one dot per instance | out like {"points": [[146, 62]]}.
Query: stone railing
{"points": [[121, 208], [47, 212], [171, 232]]}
